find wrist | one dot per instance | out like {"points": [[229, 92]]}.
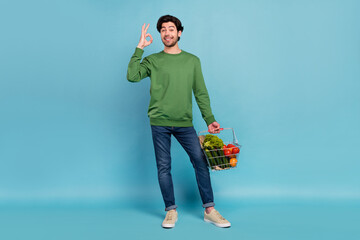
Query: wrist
{"points": [[140, 46]]}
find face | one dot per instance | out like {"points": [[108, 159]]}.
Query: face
{"points": [[169, 34]]}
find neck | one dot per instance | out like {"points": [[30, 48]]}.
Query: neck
{"points": [[172, 50]]}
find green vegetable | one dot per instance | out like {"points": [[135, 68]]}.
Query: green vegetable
{"points": [[213, 148], [210, 157]]}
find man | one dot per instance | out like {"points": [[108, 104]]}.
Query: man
{"points": [[174, 75]]}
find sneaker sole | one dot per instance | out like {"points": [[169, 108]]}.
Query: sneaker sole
{"points": [[169, 225], [222, 225]]}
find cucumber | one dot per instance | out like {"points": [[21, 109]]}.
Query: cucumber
{"points": [[209, 157], [215, 158], [222, 158]]}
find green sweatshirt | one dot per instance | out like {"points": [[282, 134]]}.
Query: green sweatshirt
{"points": [[173, 79]]}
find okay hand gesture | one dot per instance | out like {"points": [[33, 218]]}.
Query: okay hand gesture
{"points": [[143, 42]]}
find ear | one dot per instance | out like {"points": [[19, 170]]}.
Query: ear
{"points": [[179, 33]]}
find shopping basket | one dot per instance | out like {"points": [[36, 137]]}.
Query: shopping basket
{"points": [[220, 158]]}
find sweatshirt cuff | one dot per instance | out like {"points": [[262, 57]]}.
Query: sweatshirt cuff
{"points": [[209, 120], [138, 52]]}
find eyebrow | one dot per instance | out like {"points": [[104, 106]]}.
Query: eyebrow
{"points": [[169, 27]]}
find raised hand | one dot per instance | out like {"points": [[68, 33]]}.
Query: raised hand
{"points": [[143, 41]]}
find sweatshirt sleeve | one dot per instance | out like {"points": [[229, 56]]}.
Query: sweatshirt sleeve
{"points": [[201, 95], [136, 70]]}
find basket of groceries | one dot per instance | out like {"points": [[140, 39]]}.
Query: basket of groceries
{"points": [[221, 149]]}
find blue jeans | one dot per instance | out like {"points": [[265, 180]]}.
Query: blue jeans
{"points": [[188, 139]]}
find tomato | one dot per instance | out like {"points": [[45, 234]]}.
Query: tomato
{"points": [[235, 150], [227, 152], [230, 147]]}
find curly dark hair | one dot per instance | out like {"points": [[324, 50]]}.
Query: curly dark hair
{"points": [[169, 18]]}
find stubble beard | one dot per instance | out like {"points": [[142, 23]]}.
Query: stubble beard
{"points": [[171, 44]]}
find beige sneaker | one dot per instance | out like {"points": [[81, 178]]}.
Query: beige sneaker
{"points": [[216, 218], [170, 219]]}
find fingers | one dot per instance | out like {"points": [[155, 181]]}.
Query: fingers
{"points": [[213, 129], [147, 43], [143, 31], [149, 35], [147, 27], [143, 41], [217, 128], [143, 28]]}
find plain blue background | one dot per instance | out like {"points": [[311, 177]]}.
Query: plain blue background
{"points": [[76, 154], [284, 74]]}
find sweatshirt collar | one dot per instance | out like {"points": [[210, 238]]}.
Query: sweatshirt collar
{"points": [[171, 54]]}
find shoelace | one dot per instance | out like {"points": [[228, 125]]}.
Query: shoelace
{"points": [[169, 216], [219, 215]]}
